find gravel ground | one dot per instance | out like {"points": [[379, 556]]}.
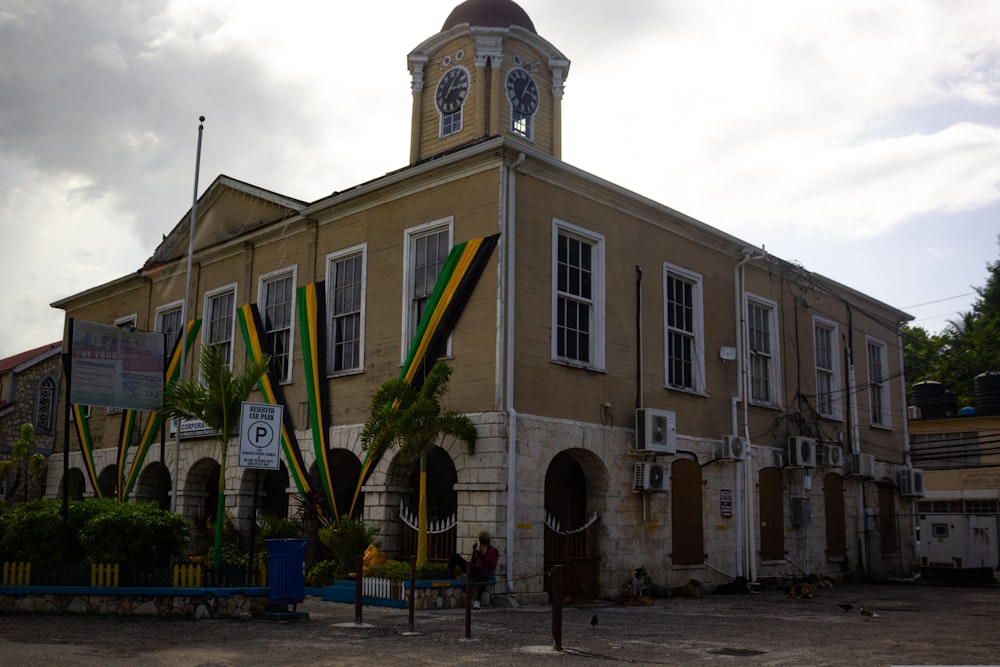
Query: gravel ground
{"points": [[917, 624]]}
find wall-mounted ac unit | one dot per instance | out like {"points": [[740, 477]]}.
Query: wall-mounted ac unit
{"points": [[911, 482], [862, 465], [802, 452], [829, 456], [648, 476], [656, 431], [733, 447]]}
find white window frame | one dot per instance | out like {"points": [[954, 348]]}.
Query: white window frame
{"points": [[127, 321], [262, 282], [696, 334], [161, 312], [774, 355], [878, 387], [410, 236], [596, 302], [360, 251], [207, 324], [832, 374]]}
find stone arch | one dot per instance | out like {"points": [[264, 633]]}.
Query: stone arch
{"points": [[442, 502], [108, 479], [154, 485], [576, 483], [345, 468], [201, 489], [77, 484]]}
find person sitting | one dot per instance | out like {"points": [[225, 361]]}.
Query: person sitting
{"points": [[484, 562]]}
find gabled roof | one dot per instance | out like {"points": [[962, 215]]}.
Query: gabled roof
{"points": [[228, 208], [27, 358]]}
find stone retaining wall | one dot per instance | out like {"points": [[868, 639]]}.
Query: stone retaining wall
{"points": [[174, 603]]}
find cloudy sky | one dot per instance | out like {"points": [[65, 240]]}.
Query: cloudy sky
{"points": [[859, 138]]}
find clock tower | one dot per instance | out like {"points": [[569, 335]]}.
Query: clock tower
{"points": [[487, 73]]}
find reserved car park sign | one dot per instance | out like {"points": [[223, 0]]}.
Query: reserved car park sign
{"points": [[260, 436]]}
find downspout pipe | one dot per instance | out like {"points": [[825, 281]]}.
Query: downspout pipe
{"points": [[509, 246], [744, 472]]}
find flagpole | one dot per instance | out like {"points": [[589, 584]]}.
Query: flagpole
{"points": [[185, 310]]}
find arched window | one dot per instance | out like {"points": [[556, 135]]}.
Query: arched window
{"points": [[45, 405]]}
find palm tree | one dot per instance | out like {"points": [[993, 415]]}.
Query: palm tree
{"points": [[215, 399], [411, 419]]}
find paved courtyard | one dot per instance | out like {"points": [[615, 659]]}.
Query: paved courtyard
{"points": [[917, 624]]}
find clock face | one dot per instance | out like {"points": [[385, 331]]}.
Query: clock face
{"points": [[522, 91], [452, 90]]}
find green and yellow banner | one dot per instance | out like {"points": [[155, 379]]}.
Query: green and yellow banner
{"points": [[454, 286]]}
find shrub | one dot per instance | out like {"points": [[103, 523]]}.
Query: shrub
{"points": [[324, 573], [349, 542], [123, 532]]}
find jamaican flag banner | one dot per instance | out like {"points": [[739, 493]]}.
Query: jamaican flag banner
{"points": [[155, 418], [311, 303], [458, 277], [250, 325], [86, 446]]}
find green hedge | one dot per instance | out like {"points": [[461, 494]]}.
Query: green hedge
{"points": [[100, 531]]}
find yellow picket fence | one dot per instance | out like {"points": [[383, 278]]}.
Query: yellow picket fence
{"points": [[17, 574], [190, 575], [103, 574]]}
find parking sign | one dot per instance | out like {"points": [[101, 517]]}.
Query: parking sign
{"points": [[260, 436]]}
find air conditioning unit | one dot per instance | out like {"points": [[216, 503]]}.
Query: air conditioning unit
{"points": [[802, 452], [656, 431], [911, 482], [829, 456], [648, 476], [862, 465], [733, 447]]}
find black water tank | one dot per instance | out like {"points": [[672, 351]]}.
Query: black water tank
{"points": [[987, 389], [933, 400]]}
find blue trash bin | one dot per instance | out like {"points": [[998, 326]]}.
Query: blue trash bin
{"points": [[286, 575]]}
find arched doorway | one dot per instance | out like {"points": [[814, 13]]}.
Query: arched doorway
{"points": [[571, 526], [76, 485], [345, 468], [108, 479], [442, 508], [273, 500], [154, 485], [201, 492], [772, 514]]}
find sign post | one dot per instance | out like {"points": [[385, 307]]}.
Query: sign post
{"points": [[260, 435], [260, 447]]}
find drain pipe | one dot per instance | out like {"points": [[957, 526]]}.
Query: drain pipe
{"points": [[744, 470], [508, 222], [863, 560]]}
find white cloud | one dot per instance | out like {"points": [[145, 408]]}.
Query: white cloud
{"points": [[780, 121]]}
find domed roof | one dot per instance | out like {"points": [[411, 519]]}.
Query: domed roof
{"points": [[490, 14]]}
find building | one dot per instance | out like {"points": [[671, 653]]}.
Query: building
{"points": [[29, 386], [955, 453], [649, 390]]}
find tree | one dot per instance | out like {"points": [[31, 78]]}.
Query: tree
{"points": [[215, 399], [30, 467], [403, 416], [967, 347]]}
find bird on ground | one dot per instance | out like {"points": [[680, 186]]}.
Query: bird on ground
{"points": [[868, 614], [846, 606], [593, 621]]}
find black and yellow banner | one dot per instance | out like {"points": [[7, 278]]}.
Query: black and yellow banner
{"points": [[250, 325], [454, 286]]}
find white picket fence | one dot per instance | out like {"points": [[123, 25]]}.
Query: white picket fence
{"points": [[379, 587]]}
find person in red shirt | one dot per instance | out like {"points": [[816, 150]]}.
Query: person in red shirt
{"points": [[484, 562]]}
